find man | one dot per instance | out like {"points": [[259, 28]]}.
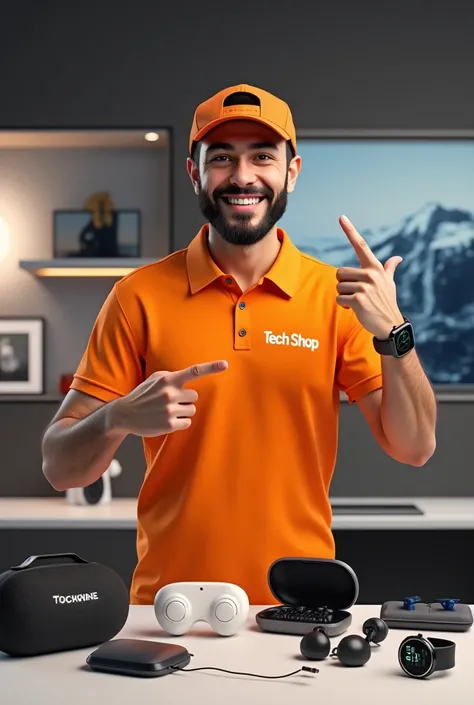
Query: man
{"points": [[228, 358]]}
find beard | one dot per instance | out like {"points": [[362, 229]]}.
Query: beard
{"points": [[241, 231]]}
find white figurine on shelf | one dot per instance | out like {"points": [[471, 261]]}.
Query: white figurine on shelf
{"points": [[99, 492]]}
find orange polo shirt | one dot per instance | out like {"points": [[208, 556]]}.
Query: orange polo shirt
{"points": [[248, 482]]}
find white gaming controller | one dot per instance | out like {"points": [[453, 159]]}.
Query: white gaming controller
{"points": [[224, 606]]}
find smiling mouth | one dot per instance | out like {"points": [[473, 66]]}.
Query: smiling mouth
{"points": [[242, 202]]}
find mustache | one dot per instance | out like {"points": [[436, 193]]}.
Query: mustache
{"points": [[248, 191]]}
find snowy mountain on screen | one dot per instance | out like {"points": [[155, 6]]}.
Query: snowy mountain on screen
{"points": [[435, 283]]}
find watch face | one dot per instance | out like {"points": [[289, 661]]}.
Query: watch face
{"points": [[404, 339], [416, 658]]}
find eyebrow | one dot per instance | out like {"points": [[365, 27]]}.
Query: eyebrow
{"points": [[227, 145]]}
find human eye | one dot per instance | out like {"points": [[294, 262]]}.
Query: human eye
{"points": [[263, 157], [220, 158]]}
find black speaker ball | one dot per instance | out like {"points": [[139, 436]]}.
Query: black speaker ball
{"points": [[353, 650], [377, 628], [315, 645]]}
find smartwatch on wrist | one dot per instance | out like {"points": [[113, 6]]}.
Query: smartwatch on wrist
{"points": [[421, 656], [400, 341]]}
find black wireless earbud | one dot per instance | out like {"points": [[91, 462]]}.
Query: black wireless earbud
{"points": [[315, 645], [352, 650]]}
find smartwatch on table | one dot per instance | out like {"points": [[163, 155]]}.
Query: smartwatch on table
{"points": [[421, 656], [399, 342]]}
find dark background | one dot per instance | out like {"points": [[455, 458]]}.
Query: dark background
{"points": [[339, 65]]}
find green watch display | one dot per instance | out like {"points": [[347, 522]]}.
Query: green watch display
{"points": [[400, 341]]}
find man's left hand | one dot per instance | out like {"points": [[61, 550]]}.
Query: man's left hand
{"points": [[369, 290]]}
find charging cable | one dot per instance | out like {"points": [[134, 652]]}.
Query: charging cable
{"points": [[241, 673]]}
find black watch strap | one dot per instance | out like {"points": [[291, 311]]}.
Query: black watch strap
{"points": [[384, 347], [445, 653], [399, 342]]}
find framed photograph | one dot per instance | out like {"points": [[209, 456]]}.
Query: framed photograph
{"points": [[409, 194], [79, 233], [22, 359]]}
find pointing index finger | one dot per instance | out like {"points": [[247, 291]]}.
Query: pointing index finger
{"points": [[364, 253], [203, 369]]}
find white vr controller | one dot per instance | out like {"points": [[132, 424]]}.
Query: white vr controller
{"points": [[224, 606]]}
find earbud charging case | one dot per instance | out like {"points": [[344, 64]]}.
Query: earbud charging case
{"points": [[313, 592]]}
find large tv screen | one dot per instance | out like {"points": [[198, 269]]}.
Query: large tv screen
{"points": [[410, 195]]}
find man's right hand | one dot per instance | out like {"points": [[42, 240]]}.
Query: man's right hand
{"points": [[160, 404]]}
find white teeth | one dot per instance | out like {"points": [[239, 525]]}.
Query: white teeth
{"points": [[244, 201]]}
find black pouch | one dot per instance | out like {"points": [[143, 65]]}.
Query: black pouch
{"points": [[58, 602], [138, 657]]}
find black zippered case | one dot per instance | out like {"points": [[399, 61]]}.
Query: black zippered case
{"points": [[57, 602]]}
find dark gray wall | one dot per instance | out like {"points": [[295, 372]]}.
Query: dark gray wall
{"points": [[362, 469], [339, 64]]}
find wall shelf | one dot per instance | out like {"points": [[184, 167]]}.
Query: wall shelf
{"points": [[31, 398], [84, 267]]}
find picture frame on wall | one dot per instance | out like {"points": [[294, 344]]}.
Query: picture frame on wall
{"points": [[408, 193], [22, 355], [78, 233]]}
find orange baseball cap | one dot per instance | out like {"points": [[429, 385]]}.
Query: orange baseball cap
{"points": [[264, 107]]}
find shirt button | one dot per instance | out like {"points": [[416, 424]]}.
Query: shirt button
{"points": [[242, 304], [228, 280], [242, 332]]}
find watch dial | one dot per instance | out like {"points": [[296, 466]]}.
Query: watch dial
{"points": [[416, 657], [404, 340]]}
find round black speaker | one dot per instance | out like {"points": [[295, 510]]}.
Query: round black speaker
{"points": [[93, 493]]}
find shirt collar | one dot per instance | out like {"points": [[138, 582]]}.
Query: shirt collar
{"points": [[202, 270]]}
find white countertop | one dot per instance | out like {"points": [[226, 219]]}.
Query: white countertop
{"points": [[55, 679], [55, 512]]}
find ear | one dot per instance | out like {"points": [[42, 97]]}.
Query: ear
{"points": [[293, 171], [193, 172]]}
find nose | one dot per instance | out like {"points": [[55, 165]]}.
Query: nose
{"points": [[242, 174]]}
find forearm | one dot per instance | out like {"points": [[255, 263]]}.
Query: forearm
{"points": [[408, 410], [77, 452]]}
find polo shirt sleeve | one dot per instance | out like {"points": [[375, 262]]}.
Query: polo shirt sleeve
{"points": [[111, 365], [359, 366]]}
